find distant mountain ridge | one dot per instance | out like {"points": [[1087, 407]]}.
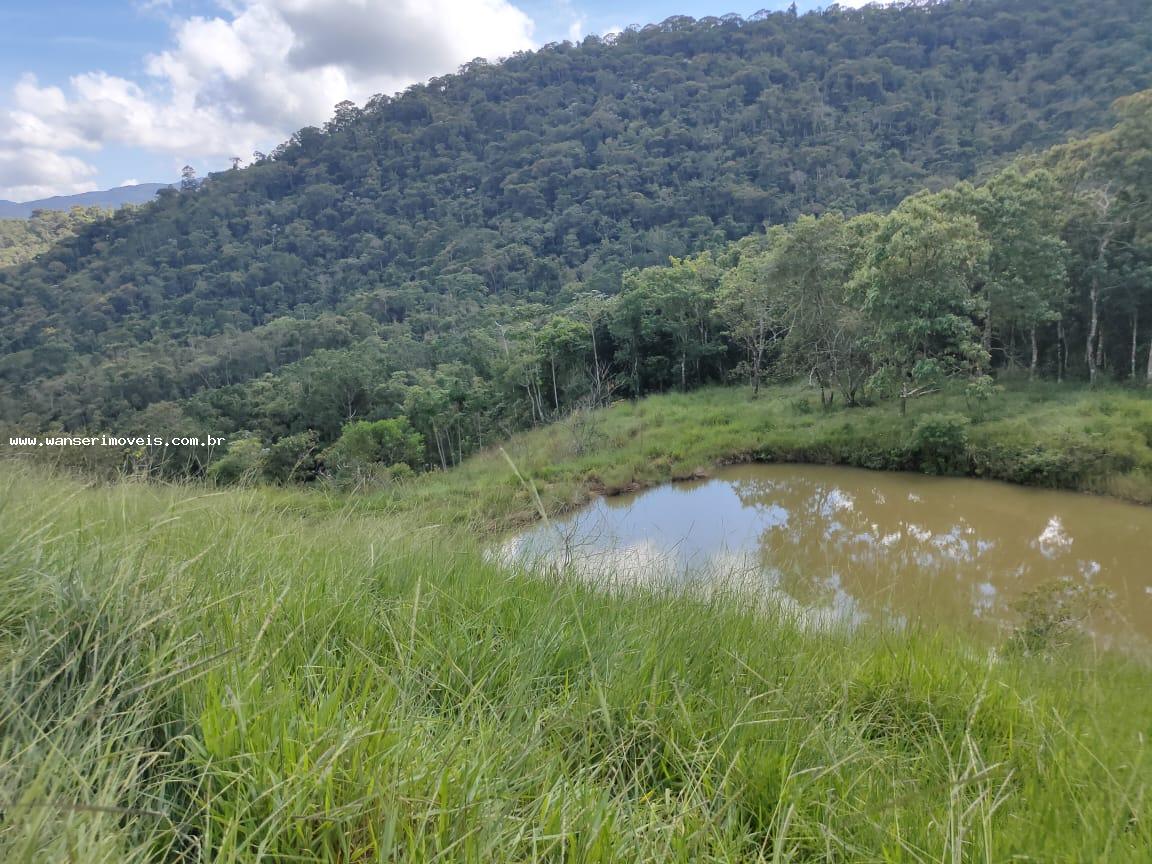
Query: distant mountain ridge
{"points": [[108, 199]]}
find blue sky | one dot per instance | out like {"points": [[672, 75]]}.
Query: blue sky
{"points": [[98, 93]]}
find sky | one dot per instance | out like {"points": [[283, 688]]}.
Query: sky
{"points": [[103, 93]]}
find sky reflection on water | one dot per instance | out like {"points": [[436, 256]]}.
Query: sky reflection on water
{"points": [[856, 545]]}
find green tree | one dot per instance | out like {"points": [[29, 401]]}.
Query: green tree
{"points": [[670, 312], [1026, 277], [916, 285], [364, 445], [754, 310]]}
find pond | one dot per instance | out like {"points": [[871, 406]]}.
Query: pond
{"points": [[859, 546]]}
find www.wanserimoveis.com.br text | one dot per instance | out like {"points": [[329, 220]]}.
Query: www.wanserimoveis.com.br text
{"points": [[115, 441]]}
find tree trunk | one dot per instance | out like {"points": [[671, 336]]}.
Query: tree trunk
{"points": [[1035, 355], [1135, 325], [1067, 352], [555, 390], [595, 363], [1095, 360], [439, 446], [986, 338], [1093, 327], [1061, 349], [1148, 378], [757, 356]]}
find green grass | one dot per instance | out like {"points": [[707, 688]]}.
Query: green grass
{"points": [[1039, 434], [270, 675]]}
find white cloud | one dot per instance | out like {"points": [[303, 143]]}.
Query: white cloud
{"points": [[577, 29], [244, 80], [31, 173]]}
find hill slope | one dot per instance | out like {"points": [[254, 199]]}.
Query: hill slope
{"points": [[426, 222], [22, 240]]}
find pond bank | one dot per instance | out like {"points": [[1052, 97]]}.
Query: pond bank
{"points": [[1044, 435]]}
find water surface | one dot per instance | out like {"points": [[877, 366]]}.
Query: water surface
{"points": [[862, 546]]}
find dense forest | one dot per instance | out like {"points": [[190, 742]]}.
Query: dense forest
{"points": [[21, 240], [490, 249], [1044, 269]]}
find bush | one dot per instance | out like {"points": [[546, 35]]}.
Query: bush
{"points": [[1051, 616], [241, 464], [292, 459], [401, 471], [367, 447], [940, 444], [801, 405]]}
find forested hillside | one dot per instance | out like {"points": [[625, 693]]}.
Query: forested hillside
{"points": [[453, 255], [22, 240]]}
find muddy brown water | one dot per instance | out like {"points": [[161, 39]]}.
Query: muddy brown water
{"points": [[862, 546]]}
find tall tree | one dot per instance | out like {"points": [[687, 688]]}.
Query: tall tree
{"points": [[916, 286]]}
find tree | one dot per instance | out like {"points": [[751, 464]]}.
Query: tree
{"points": [[1129, 158], [798, 287], [242, 462], [916, 285], [564, 346], [291, 459], [593, 308], [1026, 277], [363, 445], [188, 181], [1093, 226], [670, 309], [753, 309]]}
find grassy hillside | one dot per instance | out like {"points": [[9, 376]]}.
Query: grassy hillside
{"points": [[242, 675], [1037, 434]]}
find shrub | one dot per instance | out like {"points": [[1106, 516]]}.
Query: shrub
{"points": [[292, 459], [1051, 615], [366, 447], [940, 444], [241, 464], [978, 394], [401, 471]]}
